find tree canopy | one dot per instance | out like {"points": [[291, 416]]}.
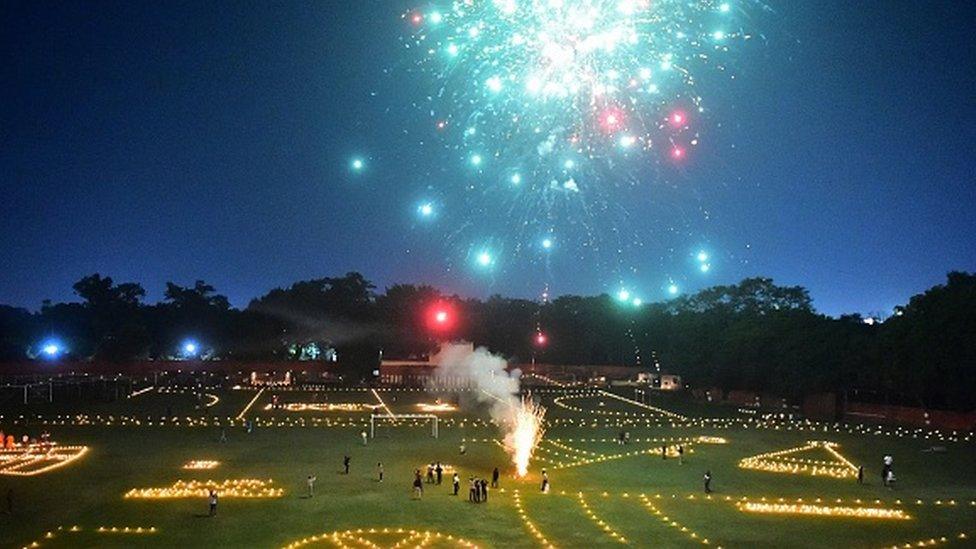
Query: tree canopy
{"points": [[753, 335]]}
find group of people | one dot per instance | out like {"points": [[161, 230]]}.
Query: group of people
{"points": [[435, 473], [10, 442], [478, 490]]}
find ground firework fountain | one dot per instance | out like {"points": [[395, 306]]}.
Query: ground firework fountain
{"points": [[521, 419], [528, 429]]}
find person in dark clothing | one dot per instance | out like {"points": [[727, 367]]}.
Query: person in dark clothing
{"points": [[418, 487], [708, 482], [457, 483], [860, 474], [345, 463], [440, 472], [430, 473], [494, 478], [484, 490], [681, 455], [472, 490], [213, 503], [664, 451]]}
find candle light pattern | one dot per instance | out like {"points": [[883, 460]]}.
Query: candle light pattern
{"points": [[360, 536], [201, 464], [774, 422], [529, 525], [607, 529], [212, 399], [436, 407], [646, 501], [36, 459], [785, 461], [564, 453], [231, 488], [822, 510], [325, 407], [561, 401], [62, 531], [930, 541]]}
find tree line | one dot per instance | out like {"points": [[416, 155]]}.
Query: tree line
{"points": [[754, 335]]}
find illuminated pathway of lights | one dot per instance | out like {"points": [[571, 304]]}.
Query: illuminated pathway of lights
{"points": [[251, 403], [389, 412], [74, 531], [642, 405], [142, 391], [410, 537], [524, 517], [646, 501], [607, 529]]}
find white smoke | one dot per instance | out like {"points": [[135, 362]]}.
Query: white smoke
{"points": [[519, 419], [492, 383]]}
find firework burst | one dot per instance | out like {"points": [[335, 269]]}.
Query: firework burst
{"points": [[558, 107]]}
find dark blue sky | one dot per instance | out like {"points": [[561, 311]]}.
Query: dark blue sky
{"points": [[155, 141]]}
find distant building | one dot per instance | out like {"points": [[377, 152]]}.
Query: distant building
{"points": [[663, 382], [421, 372]]}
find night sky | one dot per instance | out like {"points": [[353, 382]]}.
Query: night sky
{"points": [[175, 141]]}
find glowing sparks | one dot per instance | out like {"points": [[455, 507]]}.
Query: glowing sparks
{"points": [[522, 441], [578, 95]]}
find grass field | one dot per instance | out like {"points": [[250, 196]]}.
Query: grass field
{"points": [[603, 493]]}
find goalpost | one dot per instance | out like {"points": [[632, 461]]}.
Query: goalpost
{"points": [[374, 418]]}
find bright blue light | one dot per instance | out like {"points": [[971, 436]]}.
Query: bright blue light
{"points": [[435, 17], [476, 159], [705, 267], [702, 256], [718, 35], [51, 349], [426, 209], [190, 348], [724, 8], [357, 164], [547, 243], [569, 164], [516, 179], [452, 50], [637, 302], [673, 289], [623, 295], [484, 259]]}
